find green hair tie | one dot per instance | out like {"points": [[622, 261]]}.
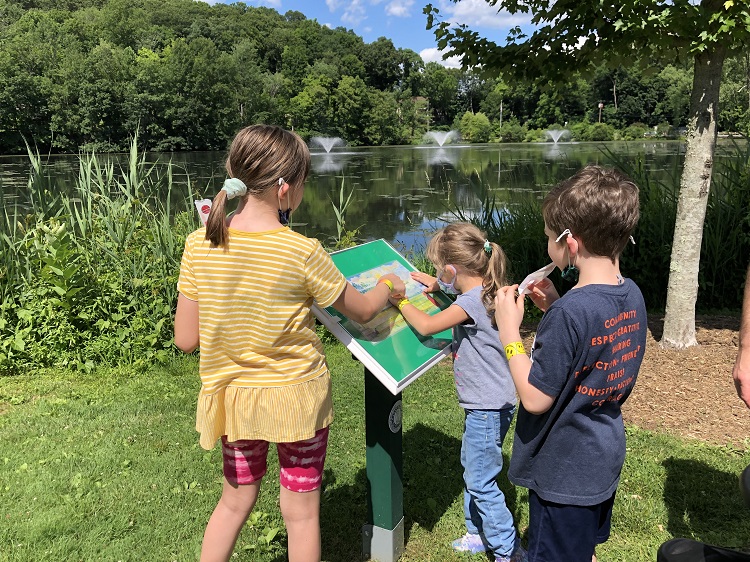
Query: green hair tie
{"points": [[234, 187]]}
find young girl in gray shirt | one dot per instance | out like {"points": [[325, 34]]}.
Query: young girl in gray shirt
{"points": [[470, 266]]}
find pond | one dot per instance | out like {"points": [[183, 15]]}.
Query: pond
{"points": [[401, 193]]}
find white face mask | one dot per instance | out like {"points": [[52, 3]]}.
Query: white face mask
{"points": [[447, 288]]}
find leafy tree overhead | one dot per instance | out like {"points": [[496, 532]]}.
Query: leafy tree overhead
{"points": [[572, 35]]}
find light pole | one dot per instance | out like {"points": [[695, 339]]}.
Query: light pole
{"points": [[600, 111]]}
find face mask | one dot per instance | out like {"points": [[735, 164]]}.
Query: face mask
{"points": [[284, 216], [569, 273], [447, 288]]}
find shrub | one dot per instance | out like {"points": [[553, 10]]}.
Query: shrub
{"points": [[512, 131], [475, 127], [666, 130], [536, 135], [601, 132], [579, 131], [635, 131], [89, 275]]}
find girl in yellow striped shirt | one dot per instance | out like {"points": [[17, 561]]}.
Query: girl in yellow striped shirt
{"points": [[246, 286]]}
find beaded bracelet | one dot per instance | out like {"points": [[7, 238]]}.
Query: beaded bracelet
{"points": [[514, 348]]}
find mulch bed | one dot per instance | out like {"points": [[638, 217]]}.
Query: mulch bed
{"points": [[690, 392]]}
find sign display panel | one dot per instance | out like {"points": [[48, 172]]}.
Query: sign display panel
{"points": [[391, 349]]}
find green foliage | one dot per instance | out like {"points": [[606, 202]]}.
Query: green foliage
{"points": [[601, 132], [344, 238], [636, 131], [512, 131], [725, 250], [666, 130], [188, 75], [536, 135], [91, 278], [475, 127]]}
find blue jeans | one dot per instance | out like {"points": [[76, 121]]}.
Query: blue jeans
{"points": [[482, 458]]}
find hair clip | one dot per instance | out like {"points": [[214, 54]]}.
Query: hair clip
{"points": [[563, 233], [487, 247]]}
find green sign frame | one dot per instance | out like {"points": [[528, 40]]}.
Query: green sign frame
{"points": [[387, 346]]}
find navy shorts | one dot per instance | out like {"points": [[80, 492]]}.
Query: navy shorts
{"points": [[566, 533]]}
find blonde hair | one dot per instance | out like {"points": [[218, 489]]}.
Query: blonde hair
{"points": [[463, 244], [259, 155]]}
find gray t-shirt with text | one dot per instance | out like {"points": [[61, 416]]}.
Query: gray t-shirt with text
{"points": [[480, 369]]}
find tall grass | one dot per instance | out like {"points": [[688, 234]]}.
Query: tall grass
{"points": [[517, 225], [88, 272]]}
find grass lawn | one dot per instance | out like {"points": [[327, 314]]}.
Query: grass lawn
{"points": [[107, 467]]}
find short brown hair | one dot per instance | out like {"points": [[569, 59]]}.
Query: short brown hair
{"points": [[259, 155], [598, 205]]}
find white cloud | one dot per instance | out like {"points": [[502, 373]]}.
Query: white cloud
{"points": [[272, 3], [478, 13], [354, 13], [434, 55], [399, 8]]}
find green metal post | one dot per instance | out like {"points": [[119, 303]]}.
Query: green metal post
{"points": [[383, 535]]}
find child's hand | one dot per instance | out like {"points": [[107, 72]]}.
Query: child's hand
{"points": [[543, 293], [430, 282], [508, 312], [399, 288]]}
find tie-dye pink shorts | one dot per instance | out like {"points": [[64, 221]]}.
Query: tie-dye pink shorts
{"points": [[301, 463]]}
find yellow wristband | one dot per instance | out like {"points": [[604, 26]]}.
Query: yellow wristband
{"points": [[514, 348], [402, 303], [387, 282]]}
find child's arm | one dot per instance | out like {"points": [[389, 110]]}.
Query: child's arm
{"points": [[741, 371], [428, 325], [186, 333], [430, 283], [363, 307], [509, 314]]}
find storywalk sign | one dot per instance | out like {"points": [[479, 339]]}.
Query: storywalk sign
{"points": [[394, 355], [387, 346]]}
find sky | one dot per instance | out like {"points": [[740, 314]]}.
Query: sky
{"points": [[401, 21]]}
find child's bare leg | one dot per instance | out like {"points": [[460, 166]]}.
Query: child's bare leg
{"points": [[230, 514], [301, 512]]}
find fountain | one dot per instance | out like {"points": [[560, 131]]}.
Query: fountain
{"points": [[441, 137], [556, 134], [327, 143]]}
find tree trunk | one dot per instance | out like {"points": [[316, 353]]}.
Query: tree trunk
{"points": [[682, 291]]}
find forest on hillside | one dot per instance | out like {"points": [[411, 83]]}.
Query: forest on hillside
{"points": [[87, 74]]}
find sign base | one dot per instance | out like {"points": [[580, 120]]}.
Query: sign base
{"points": [[381, 544]]}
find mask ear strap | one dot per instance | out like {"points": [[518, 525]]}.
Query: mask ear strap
{"points": [[563, 233], [284, 216]]}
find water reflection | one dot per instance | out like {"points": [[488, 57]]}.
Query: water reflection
{"points": [[401, 193], [442, 156], [327, 162]]}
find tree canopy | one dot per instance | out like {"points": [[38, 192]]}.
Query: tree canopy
{"points": [[579, 35]]}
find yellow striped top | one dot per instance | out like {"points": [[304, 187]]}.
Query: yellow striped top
{"points": [[262, 367]]}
